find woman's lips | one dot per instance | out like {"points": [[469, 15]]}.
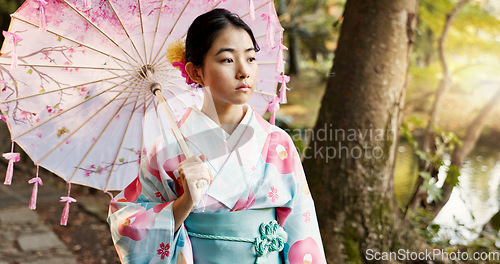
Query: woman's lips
{"points": [[243, 88]]}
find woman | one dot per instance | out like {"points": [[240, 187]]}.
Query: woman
{"points": [[256, 206]]}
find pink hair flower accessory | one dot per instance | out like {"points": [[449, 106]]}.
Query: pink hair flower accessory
{"points": [[176, 55], [182, 67]]}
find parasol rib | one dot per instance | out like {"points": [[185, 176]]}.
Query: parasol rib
{"points": [[213, 7], [178, 97], [77, 129], [64, 66], [156, 31], [60, 113], [138, 99], [275, 31], [126, 31], [142, 29], [120, 147], [170, 32], [264, 93], [242, 16], [100, 30], [70, 39], [95, 142], [53, 91], [171, 121], [266, 62], [162, 59], [137, 96]]}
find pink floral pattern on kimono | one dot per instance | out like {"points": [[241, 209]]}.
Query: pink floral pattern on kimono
{"points": [[271, 176]]}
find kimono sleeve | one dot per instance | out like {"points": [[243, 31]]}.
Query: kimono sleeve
{"points": [[304, 243], [141, 216]]}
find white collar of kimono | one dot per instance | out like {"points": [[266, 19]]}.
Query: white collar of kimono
{"points": [[230, 157]]}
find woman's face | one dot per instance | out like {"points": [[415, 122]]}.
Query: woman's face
{"points": [[229, 68]]}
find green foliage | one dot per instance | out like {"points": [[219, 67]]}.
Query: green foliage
{"points": [[473, 32], [422, 220], [445, 143], [316, 25], [453, 174], [430, 185]]}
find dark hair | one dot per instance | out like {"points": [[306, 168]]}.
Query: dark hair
{"points": [[205, 29]]}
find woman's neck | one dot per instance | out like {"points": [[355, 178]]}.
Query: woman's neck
{"points": [[227, 116]]}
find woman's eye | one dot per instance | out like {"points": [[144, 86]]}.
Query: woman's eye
{"points": [[227, 60], [252, 59]]}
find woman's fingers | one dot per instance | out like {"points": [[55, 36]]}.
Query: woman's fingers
{"points": [[201, 184]]}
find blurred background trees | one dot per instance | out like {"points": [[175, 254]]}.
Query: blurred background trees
{"points": [[450, 131]]}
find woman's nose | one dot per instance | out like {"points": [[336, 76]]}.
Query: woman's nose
{"points": [[243, 72], [243, 76]]}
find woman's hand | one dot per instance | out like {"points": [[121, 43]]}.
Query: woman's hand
{"points": [[195, 176]]}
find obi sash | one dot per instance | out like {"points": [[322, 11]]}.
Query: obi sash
{"points": [[250, 236]]}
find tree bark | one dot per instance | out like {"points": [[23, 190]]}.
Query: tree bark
{"points": [[351, 154]]}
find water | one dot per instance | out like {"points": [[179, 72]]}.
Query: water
{"points": [[471, 204]]}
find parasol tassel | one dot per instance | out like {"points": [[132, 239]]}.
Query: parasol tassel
{"points": [[43, 18], [280, 65], [252, 10], [15, 38], [37, 180], [283, 79], [87, 4], [271, 19], [67, 200], [274, 106], [11, 157]]}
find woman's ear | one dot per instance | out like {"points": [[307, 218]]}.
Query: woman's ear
{"points": [[195, 73]]}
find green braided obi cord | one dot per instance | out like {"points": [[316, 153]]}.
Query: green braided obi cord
{"points": [[251, 236]]}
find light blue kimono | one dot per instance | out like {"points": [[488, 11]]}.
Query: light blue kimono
{"points": [[256, 167]]}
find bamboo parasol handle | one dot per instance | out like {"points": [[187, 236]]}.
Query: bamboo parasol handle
{"points": [[156, 89]]}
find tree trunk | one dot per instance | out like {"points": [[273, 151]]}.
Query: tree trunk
{"points": [[351, 154], [293, 52]]}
